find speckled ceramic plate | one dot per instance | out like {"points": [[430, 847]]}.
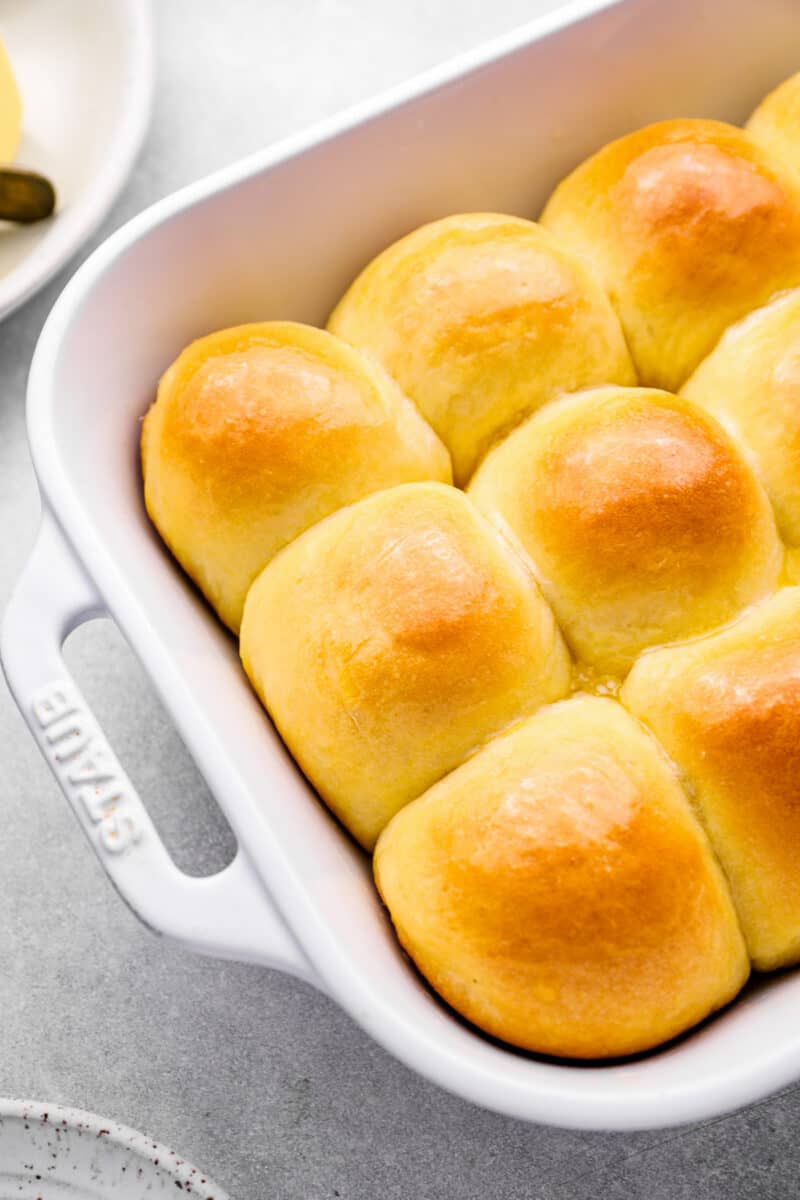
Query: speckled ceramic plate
{"points": [[48, 1152]]}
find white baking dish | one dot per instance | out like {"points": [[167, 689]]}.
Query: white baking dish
{"points": [[280, 235]]}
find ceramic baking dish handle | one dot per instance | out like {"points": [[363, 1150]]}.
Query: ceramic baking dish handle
{"points": [[228, 914]]}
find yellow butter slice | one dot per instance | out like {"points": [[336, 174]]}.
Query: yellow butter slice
{"points": [[10, 109]]}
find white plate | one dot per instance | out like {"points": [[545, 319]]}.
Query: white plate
{"points": [[85, 73], [48, 1152]]}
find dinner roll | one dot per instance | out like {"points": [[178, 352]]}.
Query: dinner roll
{"points": [[727, 709], [776, 122], [751, 383], [258, 432], [689, 224], [390, 640], [481, 318], [558, 891], [641, 516]]}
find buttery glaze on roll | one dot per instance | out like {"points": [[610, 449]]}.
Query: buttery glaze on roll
{"points": [[751, 383], [776, 122], [390, 640], [258, 432], [727, 709], [642, 517], [689, 225], [558, 891], [481, 318]]}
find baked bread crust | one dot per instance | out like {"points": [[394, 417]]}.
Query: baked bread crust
{"points": [[727, 710], [689, 225], [558, 891], [415, 633], [642, 517], [482, 318], [258, 432]]}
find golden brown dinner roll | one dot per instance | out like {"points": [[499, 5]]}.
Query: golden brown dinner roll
{"points": [[641, 516], [776, 122], [481, 318], [689, 224], [557, 890], [258, 432], [390, 640], [751, 383], [727, 709]]}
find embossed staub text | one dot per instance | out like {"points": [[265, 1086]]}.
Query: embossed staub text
{"points": [[86, 765]]}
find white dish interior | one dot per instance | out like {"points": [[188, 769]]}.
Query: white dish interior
{"points": [[280, 235], [85, 73]]}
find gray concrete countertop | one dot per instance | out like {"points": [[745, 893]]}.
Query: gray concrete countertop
{"points": [[257, 1078]]}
